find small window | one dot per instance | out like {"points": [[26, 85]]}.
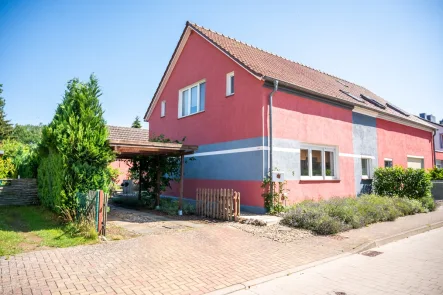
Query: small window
{"points": [[318, 162], [230, 84], [365, 168], [416, 162], [191, 99], [163, 109], [388, 163], [441, 140]]}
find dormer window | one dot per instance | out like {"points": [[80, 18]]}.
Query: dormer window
{"points": [[230, 84]]}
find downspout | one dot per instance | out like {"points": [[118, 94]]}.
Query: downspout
{"points": [[270, 142], [433, 149]]}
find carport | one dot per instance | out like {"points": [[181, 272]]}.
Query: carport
{"points": [[129, 143]]}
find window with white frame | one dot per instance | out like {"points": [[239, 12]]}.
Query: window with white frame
{"points": [[388, 163], [366, 168], [416, 162], [191, 100], [441, 140], [230, 83], [163, 109], [318, 162]]}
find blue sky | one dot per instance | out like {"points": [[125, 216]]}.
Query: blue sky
{"points": [[393, 48]]}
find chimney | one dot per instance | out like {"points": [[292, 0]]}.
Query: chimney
{"points": [[431, 118], [423, 116]]}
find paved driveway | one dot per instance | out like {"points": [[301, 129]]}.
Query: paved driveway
{"points": [[410, 266], [193, 261]]}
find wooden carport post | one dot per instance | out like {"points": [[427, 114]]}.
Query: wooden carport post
{"points": [[158, 184], [182, 169], [140, 179]]}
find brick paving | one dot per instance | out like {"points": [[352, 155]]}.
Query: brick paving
{"points": [[197, 261], [409, 266]]}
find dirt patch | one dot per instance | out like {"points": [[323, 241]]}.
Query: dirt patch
{"points": [[115, 233], [277, 232], [31, 242]]}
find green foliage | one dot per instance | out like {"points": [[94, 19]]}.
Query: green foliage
{"points": [[78, 135], [7, 168], [398, 181], [5, 125], [136, 123], [51, 177], [28, 134], [436, 173], [23, 157], [274, 203], [341, 214], [164, 169], [25, 228]]}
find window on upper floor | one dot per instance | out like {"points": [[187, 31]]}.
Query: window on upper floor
{"points": [[191, 99], [441, 140], [163, 109], [230, 84], [416, 162], [366, 164], [388, 163], [318, 162]]}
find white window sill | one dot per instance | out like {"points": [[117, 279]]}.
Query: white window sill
{"points": [[228, 95], [191, 115], [305, 178], [365, 177]]}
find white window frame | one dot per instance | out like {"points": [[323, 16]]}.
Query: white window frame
{"points": [[229, 90], [416, 157], [441, 140], [180, 99], [323, 149], [369, 167], [163, 109], [388, 160]]}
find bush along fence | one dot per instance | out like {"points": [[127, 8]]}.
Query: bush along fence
{"points": [[404, 183], [221, 204], [93, 207]]}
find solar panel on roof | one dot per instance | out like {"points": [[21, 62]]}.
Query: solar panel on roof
{"points": [[350, 95], [373, 101], [397, 109]]}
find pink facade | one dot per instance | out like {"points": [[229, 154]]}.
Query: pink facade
{"points": [[123, 167], [396, 141], [232, 132]]}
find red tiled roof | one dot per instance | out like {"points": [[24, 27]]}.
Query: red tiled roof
{"points": [[125, 134], [267, 65]]}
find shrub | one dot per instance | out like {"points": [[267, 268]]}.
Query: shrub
{"points": [[336, 215], [397, 181], [436, 173], [428, 203]]}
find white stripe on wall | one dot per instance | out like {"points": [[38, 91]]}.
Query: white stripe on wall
{"points": [[356, 156], [265, 148]]}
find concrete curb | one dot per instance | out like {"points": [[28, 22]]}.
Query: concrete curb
{"points": [[356, 250]]}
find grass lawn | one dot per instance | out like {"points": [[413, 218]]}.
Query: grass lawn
{"points": [[29, 228]]}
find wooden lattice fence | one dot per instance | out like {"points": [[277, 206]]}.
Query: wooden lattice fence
{"points": [[18, 192], [221, 204]]}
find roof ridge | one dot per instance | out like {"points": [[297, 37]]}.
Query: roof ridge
{"points": [[274, 54]]}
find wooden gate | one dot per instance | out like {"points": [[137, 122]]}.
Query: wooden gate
{"points": [[221, 204]]}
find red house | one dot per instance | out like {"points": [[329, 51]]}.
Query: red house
{"points": [[327, 134]]}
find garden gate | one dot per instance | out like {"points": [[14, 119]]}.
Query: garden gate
{"points": [[94, 207]]}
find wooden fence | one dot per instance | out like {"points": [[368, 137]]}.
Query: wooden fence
{"points": [[18, 192], [221, 204]]}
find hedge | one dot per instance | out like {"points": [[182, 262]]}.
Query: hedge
{"points": [[404, 183]]}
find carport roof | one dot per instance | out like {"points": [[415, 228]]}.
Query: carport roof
{"points": [[130, 142]]}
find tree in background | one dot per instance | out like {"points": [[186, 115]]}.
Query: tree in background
{"points": [[28, 134], [136, 123], [22, 156], [5, 125], [75, 146]]}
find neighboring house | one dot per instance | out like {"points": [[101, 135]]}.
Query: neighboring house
{"points": [[126, 134], [438, 138], [328, 134]]}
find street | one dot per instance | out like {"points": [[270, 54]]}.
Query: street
{"points": [[409, 266]]}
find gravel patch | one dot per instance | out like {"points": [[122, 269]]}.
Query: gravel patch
{"points": [[277, 232]]}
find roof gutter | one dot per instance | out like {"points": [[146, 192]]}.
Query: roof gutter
{"points": [[271, 187]]}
